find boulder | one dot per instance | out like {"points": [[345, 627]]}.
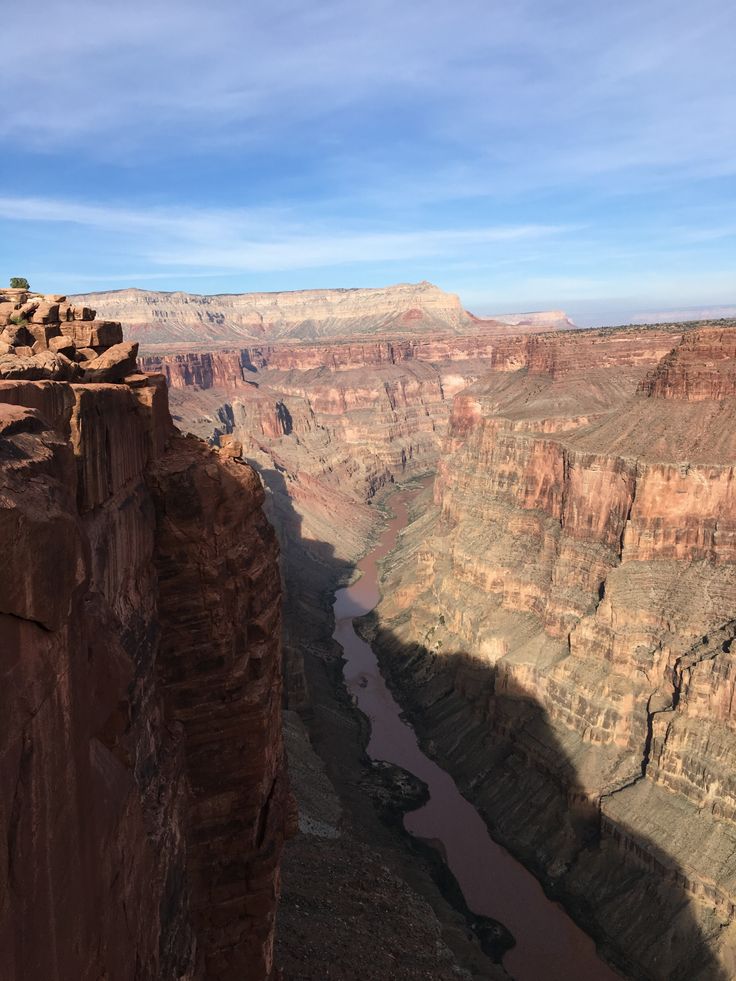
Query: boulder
{"points": [[46, 313], [26, 310], [62, 345], [79, 334], [138, 380], [82, 313], [24, 350], [105, 333], [16, 334], [112, 366], [42, 333], [28, 368], [86, 354], [65, 369], [92, 333], [45, 365], [5, 348], [231, 447]]}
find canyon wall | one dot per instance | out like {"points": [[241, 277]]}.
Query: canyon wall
{"points": [[330, 424], [367, 412], [560, 622], [143, 790]]}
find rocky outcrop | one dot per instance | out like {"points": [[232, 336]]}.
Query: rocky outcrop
{"points": [[46, 337], [143, 793], [561, 622], [701, 368], [185, 321]]}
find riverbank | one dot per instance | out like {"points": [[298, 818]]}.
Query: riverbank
{"points": [[376, 873]]}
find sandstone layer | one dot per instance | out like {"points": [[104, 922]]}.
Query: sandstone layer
{"points": [[560, 622], [143, 790], [183, 321]]}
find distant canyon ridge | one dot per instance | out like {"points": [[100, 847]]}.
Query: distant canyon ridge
{"points": [[188, 321]]}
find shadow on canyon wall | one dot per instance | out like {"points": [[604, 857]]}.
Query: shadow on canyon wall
{"points": [[507, 759]]}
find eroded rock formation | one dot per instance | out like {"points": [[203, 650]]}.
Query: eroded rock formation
{"points": [[48, 337], [143, 794], [331, 424], [561, 621], [186, 321]]}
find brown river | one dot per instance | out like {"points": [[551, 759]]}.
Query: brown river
{"points": [[549, 946]]}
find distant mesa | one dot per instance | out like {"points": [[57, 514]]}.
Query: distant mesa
{"points": [[189, 321], [538, 320], [685, 314]]}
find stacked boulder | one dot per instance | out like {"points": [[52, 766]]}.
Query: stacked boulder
{"points": [[47, 337]]}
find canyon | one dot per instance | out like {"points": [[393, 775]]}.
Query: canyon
{"points": [[557, 620], [555, 623]]}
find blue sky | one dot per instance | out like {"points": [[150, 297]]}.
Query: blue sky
{"points": [[523, 154]]}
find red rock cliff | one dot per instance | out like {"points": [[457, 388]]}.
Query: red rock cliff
{"points": [[581, 560], [142, 789]]}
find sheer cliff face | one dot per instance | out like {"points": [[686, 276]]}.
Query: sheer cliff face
{"points": [[573, 589], [141, 762]]}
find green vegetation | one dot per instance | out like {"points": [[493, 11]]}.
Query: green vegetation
{"points": [[19, 283], [19, 320]]}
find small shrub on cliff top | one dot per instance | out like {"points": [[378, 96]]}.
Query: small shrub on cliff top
{"points": [[18, 321], [19, 283]]}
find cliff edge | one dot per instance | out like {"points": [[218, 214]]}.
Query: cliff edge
{"points": [[143, 793]]}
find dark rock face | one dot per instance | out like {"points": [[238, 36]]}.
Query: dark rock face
{"points": [[142, 790], [219, 609]]}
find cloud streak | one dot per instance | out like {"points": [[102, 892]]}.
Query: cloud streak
{"points": [[260, 240], [543, 146]]}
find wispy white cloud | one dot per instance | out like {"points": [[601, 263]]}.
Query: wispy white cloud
{"points": [[261, 240], [533, 92], [537, 149]]}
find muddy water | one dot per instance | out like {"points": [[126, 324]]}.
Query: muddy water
{"points": [[549, 946]]}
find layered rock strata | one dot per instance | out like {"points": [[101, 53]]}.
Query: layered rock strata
{"points": [[182, 321], [330, 424], [369, 412], [143, 791], [561, 622]]}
